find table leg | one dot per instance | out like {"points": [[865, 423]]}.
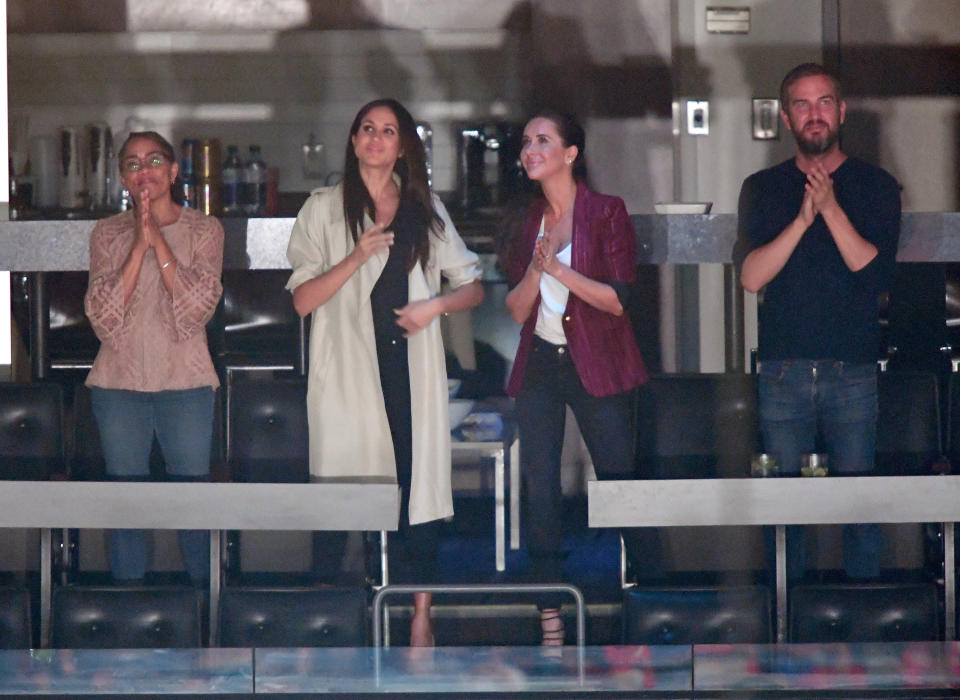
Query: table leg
{"points": [[499, 511], [515, 493], [949, 584], [46, 584], [781, 577], [216, 569]]}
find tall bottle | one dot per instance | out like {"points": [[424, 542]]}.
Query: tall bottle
{"points": [[209, 179], [232, 183], [255, 183], [188, 175]]}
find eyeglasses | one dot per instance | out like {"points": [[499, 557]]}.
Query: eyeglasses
{"points": [[151, 162]]}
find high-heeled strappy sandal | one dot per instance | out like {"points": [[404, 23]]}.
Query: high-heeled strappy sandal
{"points": [[551, 627]]}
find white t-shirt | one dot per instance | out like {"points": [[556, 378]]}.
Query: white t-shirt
{"points": [[553, 301]]}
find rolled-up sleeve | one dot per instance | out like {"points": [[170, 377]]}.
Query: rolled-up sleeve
{"points": [[304, 252], [459, 264]]}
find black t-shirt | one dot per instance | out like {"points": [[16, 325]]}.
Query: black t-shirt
{"points": [[816, 308]]}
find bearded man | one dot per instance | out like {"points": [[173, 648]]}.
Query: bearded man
{"points": [[817, 239]]}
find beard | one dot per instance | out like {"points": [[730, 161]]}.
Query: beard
{"points": [[817, 146]]}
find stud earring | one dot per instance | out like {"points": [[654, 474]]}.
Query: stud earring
{"points": [[569, 161]]}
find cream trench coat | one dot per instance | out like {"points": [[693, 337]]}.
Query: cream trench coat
{"points": [[349, 432]]}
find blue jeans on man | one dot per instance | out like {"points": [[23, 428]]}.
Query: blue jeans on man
{"points": [[183, 423], [824, 406]]}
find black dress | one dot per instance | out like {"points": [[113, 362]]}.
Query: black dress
{"points": [[414, 552]]}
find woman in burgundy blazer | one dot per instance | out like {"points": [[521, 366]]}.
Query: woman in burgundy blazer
{"points": [[570, 274]]}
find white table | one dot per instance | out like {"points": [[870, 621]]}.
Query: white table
{"points": [[50, 505], [786, 501], [505, 452]]}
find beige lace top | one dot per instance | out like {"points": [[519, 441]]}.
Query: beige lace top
{"points": [[156, 341]]}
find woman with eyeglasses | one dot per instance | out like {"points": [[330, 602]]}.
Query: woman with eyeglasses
{"points": [[154, 284]]}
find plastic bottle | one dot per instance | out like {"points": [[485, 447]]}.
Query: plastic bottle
{"points": [[255, 183], [232, 183]]}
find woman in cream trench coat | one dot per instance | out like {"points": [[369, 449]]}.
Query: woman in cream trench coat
{"points": [[349, 435], [367, 258]]}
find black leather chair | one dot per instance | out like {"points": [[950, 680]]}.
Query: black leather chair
{"points": [[116, 617], [267, 437], [908, 423], [15, 626], [261, 329], [952, 422], [863, 613], [697, 615], [71, 343], [31, 430], [293, 617], [258, 330], [697, 426]]}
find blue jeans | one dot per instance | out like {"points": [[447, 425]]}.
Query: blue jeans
{"points": [[183, 423], [824, 406]]}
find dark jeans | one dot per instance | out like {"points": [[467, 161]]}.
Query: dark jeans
{"points": [[183, 423], [550, 385], [824, 406]]}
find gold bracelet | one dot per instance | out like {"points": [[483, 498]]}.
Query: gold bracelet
{"points": [[166, 264]]}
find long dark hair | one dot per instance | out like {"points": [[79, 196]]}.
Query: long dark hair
{"points": [[411, 168], [571, 133], [165, 147]]}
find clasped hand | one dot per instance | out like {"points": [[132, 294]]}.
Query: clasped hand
{"points": [[818, 194], [148, 230], [544, 254]]}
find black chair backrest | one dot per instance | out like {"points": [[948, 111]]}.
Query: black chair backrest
{"points": [[953, 420], [31, 430], [908, 422], [697, 425], [118, 617], [15, 630], [293, 617], [86, 453], [689, 615], [268, 430], [863, 613], [258, 315], [70, 337]]}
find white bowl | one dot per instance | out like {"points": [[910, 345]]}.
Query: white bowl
{"points": [[459, 409], [682, 207], [453, 386]]}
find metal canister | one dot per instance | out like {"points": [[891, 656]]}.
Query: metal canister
{"points": [[99, 150], [208, 168], [73, 192]]}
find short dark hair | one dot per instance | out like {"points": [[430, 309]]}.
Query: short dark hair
{"points": [[805, 70]]}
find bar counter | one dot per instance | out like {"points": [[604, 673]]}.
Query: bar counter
{"points": [[261, 244]]}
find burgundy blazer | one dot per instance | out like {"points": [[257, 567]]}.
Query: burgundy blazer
{"points": [[601, 345]]}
